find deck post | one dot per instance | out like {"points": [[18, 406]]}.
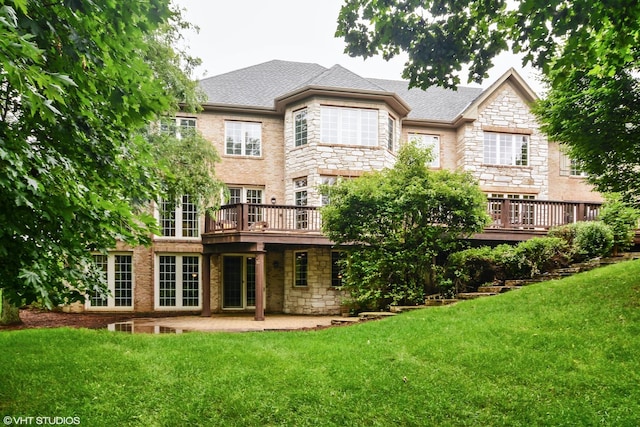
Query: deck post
{"points": [[206, 285], [260, 282]]}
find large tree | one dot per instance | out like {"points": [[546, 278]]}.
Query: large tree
{"points": [[588, 52], [393, 223], [80, 81]]}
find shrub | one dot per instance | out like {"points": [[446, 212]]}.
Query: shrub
{"points": [[622, 219], [593, 239], [537, 255], [471, 268]]}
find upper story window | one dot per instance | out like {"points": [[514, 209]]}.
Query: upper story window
{"points": [[349, 126], [391, 133], [178, 126], [506, 149], [300, 124], [570, 167], [428, 141], [243, 138], [179, 220]]}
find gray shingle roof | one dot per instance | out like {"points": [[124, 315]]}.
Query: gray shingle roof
{"points": [[434, 103], [259, 86]]}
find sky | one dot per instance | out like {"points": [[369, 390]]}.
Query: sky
{"points": [[235, 34]]}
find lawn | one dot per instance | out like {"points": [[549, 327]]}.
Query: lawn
{"points": [[560, 353]]}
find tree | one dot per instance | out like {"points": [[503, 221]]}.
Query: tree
{"points": [[394, 223], [80, 81], [588, 52]]}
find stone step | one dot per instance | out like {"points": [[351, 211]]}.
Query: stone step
{"points": [[345, 320], [474, 295], [369, 315], [439, 301], [498, 289]]}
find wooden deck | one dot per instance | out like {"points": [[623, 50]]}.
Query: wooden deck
{"points": [[511, 220]]}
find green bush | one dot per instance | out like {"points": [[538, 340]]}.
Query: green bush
{"points": [[593, 239], [622, 219], [471, 268]]}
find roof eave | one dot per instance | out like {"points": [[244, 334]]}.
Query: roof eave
{"points": [[391, 99], [234, 108]]}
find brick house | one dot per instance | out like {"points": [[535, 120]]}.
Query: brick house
{"points": [[283, 128]]}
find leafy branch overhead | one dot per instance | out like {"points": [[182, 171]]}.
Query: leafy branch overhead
{"points": [[80, 81], [588, 53]]}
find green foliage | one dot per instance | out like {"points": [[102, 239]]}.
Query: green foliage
{"points": [[585, 240], [79, 83], [440, 36], [622, 219], [593, 239], [399, 220], [604, 137], [588, 53], [474, 267]]}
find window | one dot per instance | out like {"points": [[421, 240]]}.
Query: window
{"points": [[327, 181], [118, 273], [337, 259], [349, 126], [300, 196], [428, 141], [245, 195], [506, 149], [300, 124], [178, 281], [178, 126], [243, 139], [570, 167], [188, 224], [301, 268], [391, 133]]}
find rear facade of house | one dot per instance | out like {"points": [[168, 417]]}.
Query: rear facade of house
{"points": [[284, 128]]}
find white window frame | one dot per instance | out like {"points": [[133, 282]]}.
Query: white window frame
{"points": [[431, 141], [246, 131], [255, 214], [301, 132], [179, 282], [505, 149], [111, 284], [349, 126], [570, 167], [177, 125], [185, 208]]}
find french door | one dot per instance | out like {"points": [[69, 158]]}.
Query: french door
{"points": [[238, 281]]}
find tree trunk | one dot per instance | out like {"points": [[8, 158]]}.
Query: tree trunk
{"points": [[9, 314]]}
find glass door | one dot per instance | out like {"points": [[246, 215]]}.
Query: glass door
{"points": [[238, 281]]}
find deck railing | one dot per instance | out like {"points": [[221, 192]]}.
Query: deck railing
{"points": [[506, 214]]}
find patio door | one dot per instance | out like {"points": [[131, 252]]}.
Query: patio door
{"points": [[238, 281]]}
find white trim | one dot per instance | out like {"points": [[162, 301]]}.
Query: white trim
{"points": [[179, 284], [111, 286]]}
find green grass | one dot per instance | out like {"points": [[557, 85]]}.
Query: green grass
{"points": [[561, 353]]}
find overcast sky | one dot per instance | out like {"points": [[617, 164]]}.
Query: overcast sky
{"points": [[239, 33]]}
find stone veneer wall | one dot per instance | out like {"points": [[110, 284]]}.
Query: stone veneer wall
{"points": [[317, 159], [318, 297], [505, 111]]}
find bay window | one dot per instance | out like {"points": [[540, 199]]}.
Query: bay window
{"points": [[349, 126]]}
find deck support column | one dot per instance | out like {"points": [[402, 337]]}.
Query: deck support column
{"points": [[206, 285], [260, 281]]}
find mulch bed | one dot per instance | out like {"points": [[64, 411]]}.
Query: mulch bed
{"points": [[35, 318]]}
